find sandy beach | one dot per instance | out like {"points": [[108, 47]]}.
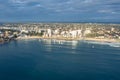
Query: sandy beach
{"points": [[102, 40], [57, 38], [70, 39]]}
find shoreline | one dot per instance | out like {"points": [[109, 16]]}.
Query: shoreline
{"points": [[70, 39], [57, 38], [102, 40]]}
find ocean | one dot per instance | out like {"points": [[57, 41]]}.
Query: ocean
{"points": [[41, 59]]}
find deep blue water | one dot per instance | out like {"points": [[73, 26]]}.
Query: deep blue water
{"points": [[58, 60]]}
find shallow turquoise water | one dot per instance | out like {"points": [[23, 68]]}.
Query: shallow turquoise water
{"points": [[58, 60]]}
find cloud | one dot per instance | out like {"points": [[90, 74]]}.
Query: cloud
{"points": [[55, 5], [107, 11], [65, 8]]}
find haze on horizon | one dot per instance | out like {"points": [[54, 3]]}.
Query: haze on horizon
{"points": [[60, 10]]}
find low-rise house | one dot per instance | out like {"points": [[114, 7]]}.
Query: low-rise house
{"points": [[56, 32], [24, 31], [87, 31]]}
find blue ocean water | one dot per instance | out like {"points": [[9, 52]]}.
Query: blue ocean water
{"points": [[59, 60]]}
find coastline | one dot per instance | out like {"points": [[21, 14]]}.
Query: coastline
{"points": [[39, 37], [102, 40], [70, 39]]}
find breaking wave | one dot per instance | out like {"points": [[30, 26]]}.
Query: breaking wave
{"points": [[111, 44]]}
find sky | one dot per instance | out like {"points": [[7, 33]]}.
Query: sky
{"points": [[60, 10]]}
